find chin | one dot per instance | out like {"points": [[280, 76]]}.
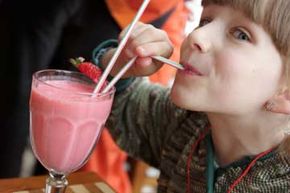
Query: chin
{"points": [[181, 98], [178, 98]]}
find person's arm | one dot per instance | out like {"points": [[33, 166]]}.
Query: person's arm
{"points": [[142, 114], [142, 119]]}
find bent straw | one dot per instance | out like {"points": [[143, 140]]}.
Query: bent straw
{"points": [[120, 47], [119, 75]]}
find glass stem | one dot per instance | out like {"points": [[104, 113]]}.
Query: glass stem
{"points": [[56, 183]]}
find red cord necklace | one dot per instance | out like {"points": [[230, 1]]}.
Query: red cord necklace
{"points": [[237, 181]]}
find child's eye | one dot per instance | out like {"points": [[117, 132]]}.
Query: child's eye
{"points": [[241, 35]]}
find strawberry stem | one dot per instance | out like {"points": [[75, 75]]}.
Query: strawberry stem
{"points": [[76, 61]]}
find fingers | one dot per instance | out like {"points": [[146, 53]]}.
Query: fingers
{"points": [[159, 48], [134, 40], [145, 41], [139, 27], [144, 37], [136, 30], [145, 67]]}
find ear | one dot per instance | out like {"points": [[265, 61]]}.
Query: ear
{"points": [[279, 103]]}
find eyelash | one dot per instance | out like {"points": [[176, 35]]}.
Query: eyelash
{"points": [[244, 37], [205, 21]]}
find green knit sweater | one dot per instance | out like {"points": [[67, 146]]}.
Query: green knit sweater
{"points": [[146, 124]]}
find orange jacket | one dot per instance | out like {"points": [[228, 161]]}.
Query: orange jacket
{"points": [[107, 159], [124, 10]]}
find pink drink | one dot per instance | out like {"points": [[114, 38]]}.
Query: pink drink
{"points": [[65, 124]]}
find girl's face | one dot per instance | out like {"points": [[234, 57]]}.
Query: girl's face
{"points": [[231, 65]]}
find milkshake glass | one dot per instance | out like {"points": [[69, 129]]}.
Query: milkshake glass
{"points": [[66, 120]]}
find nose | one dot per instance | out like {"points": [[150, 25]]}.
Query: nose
{"points": [[199, 40]]}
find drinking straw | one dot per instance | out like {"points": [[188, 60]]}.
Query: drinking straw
{"points": [[129, 64], [168, 61], [120, 47], [119, 75]]}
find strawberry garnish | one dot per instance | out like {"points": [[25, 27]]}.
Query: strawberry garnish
{"points": [[88, 68]]}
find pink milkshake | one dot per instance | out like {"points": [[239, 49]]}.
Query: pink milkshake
{"points": [[66, 121]]}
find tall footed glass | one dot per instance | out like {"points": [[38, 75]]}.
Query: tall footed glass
{"points": [[66, 120]]}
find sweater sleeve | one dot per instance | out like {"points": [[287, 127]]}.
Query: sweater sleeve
{"points": [[142, 119]]}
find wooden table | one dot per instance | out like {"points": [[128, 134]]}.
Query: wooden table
{"points": [[83, 182]]}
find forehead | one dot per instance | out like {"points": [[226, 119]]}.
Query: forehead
{"points": [[272, 15], [253, 9]]}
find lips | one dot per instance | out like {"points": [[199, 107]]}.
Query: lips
{"points": [[188, 69]]}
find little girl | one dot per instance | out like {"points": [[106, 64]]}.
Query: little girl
{"points": [[222, 127]]}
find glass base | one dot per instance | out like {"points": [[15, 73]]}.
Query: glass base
{"points": [[56, 183]]}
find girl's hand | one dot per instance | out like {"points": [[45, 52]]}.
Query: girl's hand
{"points": [[145, 41]]}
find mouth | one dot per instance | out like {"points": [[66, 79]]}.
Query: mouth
{"points": [[190, 70]]}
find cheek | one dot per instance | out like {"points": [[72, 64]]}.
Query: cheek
{"points": [[272, 67], [255, 69], [231, 68], [269, 76], [254, 76]]}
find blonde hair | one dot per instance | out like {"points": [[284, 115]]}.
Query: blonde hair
{"points": [[273, 15]]}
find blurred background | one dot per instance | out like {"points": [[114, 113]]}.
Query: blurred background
{"points": [[44, 34]]}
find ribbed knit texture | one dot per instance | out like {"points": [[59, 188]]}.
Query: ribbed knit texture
{"points": [[147, 125]]}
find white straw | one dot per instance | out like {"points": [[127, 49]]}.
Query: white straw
{"points": [[120, 47], [170, 62], [119, 75]]}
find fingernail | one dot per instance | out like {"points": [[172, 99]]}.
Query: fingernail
{"points": [[144, 61], [147, 62], [141, 51]]}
